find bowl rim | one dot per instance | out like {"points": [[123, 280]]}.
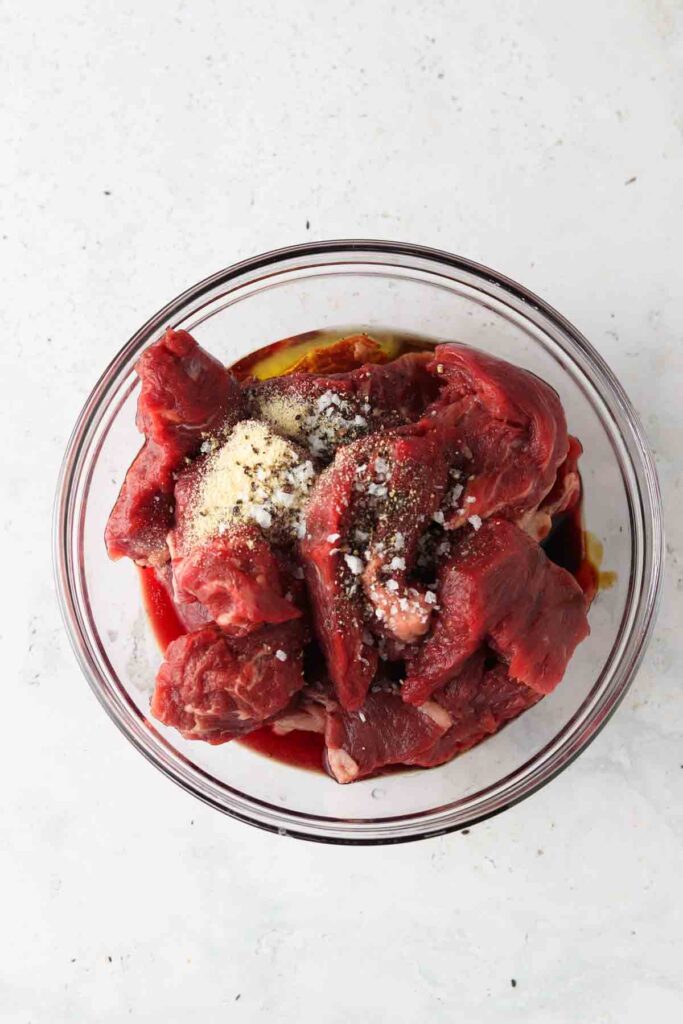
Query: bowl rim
{"points": [[600, 376]]}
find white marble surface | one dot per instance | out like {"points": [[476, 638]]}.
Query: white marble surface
{"points": [[144, 146]]}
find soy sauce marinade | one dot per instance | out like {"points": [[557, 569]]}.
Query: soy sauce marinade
{"points": [[334, 352]]}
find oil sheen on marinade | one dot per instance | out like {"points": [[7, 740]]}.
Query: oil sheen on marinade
{"points": [[334, 351]]}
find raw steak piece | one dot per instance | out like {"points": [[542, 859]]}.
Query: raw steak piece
{"points": [[513, 425], [236, 574], [385, 731], [212, 687], [363, 523], [479, 700], [500, 587], [334, 592], [143, 512], [185, 394], [238, 580], [323, 413]]}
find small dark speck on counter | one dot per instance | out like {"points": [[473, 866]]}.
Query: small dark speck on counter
{"points": [[629, 181], [73, 959], [308, 225], [107, 192], [109, 959], [238, 996], [465, 831], [440, 74], [513, 982]]}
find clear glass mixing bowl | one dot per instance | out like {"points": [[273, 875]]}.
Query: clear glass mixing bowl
{"points": [[409, 289]]}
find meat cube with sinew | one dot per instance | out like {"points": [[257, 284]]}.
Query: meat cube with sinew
{"points": [[234, 572], [143, 513], [184, 394], [331, 577], [500, 587], [362, 528], [511, 425], [325, 412], [214, 688], [238, 580], [480, 699], [385, 731]]}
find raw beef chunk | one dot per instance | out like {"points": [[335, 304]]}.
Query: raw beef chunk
{"points": [[185, 394], [233, 570], [324, 412], [363, 524], [212, 687], [238, 580], [511, 422], [400, 485], [386, 731], [332, 584], [479, 700], [500, 587], [143, 512]]}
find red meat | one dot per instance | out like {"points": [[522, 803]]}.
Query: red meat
{"points": [[238, 580], [143, 513], [212, 687], [338, 408], [366, 515], [563, 496], [500, 587], [417, 460], [185, 394], [479, 700], [400, 390], [385, 731], [513, 425], [334, 593], [237, 575]]}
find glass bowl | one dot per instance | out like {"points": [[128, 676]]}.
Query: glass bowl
{"points": [[409, 289]]}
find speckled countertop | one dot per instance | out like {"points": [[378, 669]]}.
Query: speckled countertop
{"points": [[148, 144]]}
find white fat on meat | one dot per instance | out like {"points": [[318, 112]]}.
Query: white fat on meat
{"points": [[342, 765], [437, 714]]}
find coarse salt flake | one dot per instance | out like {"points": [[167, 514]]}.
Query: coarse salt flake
{"points": [[261, 516], [354, 563]]}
